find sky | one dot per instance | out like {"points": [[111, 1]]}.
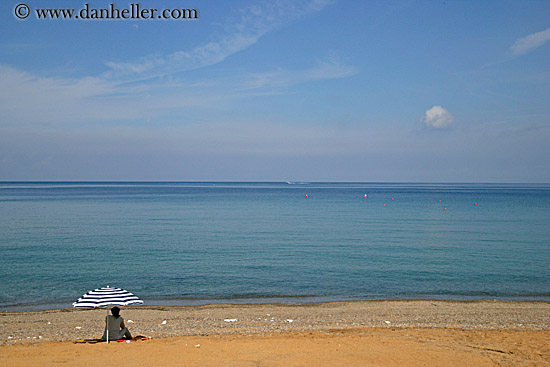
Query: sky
{"points": [[297, 90]]}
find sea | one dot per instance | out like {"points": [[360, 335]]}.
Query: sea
{"points": [[190, 243]]}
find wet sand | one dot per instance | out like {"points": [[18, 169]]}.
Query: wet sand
{"points": [[363, 333]]}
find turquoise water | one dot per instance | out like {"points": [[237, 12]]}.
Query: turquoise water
{"points": [[193, 243]]}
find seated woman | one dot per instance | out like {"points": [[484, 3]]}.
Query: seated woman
{"points": [[115, 324]]}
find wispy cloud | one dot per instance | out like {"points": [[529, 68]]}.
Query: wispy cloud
{"points": [[529, 43], [332, 67], [438, 118], [27, 98], [254, 22], [129, 93]]}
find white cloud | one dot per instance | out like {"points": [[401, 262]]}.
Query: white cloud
{"points": [[530, 42], [438, 118]]}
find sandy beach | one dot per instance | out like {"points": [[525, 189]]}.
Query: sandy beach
{"points": [[362, 333]]}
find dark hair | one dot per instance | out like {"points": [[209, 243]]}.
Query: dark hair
{"points": [[115, 311]]}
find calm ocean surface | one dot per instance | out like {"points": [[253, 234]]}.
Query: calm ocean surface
{"points": [[195, 243]]}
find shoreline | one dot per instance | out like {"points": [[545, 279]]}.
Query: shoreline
{"points": [[290, 301], [69, 324]]}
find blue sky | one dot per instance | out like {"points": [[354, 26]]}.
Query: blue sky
{"points": [[304, 90]]}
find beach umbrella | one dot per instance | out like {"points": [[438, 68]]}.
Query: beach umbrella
{"points": [[105, 297]]}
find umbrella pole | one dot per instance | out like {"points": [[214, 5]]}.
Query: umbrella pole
{"points": [[107, 325]]}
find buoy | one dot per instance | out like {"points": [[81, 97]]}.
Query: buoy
{"points": [[392, 198], [384, 204], [306, 196], [475, 204], [444, 208], [361, 200], [439, 200]]}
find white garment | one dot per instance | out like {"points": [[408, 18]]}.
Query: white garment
{"points": [[113, 324]]}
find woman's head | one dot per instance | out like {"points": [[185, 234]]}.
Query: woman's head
{"points": [[115, 311]]}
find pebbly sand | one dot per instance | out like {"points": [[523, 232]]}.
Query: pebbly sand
{"points": [[361, 333]]}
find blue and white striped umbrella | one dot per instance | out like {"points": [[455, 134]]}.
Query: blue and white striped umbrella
{"points": [[103, 297]]}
